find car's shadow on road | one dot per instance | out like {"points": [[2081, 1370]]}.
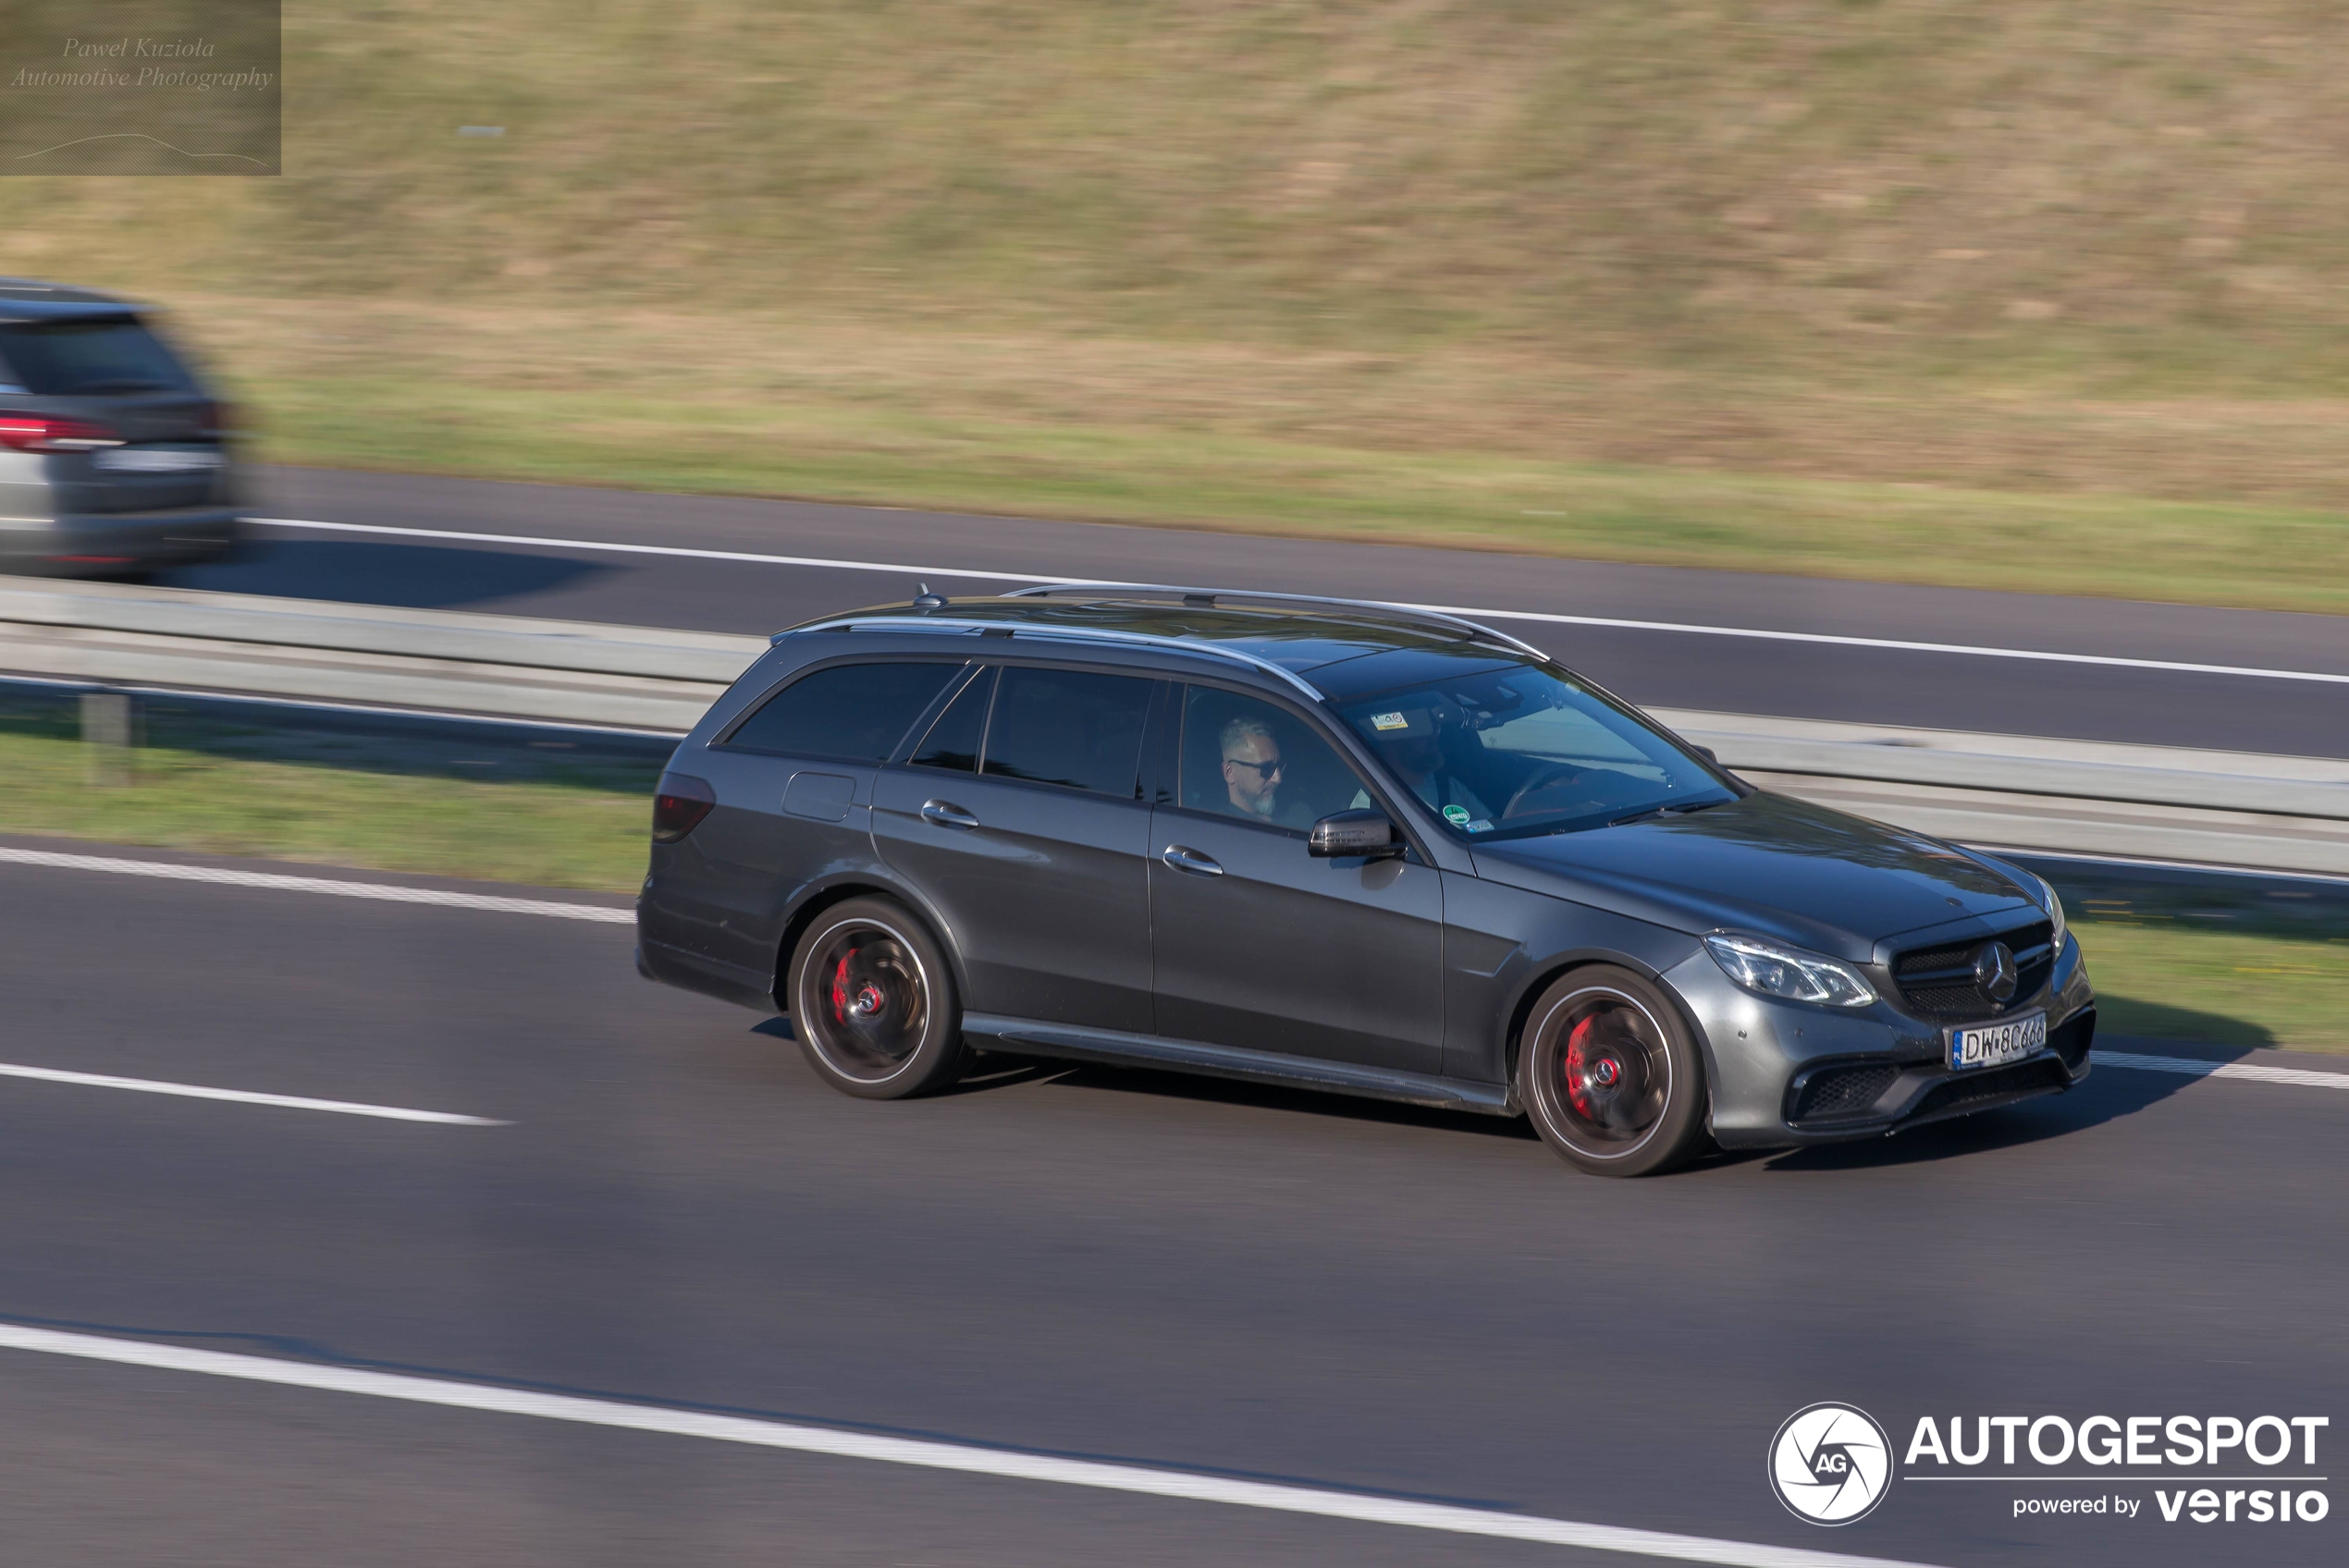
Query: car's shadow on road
{"points": [[400, 576], [1269, 1096], [997, 1070], [2111, 1092]]}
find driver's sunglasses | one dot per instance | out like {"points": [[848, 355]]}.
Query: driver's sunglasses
{"points": [[1263, 769]]}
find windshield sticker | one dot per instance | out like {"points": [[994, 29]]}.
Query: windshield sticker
{"points": [[1457, 815], [1389, 721], [1482, 825]]}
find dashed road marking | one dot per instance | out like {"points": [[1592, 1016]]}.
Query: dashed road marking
{"points": [[383, 892], [243, 1097]]}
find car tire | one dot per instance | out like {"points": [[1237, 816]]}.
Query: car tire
{"points": [[1610, 1076], [873, 1002]]}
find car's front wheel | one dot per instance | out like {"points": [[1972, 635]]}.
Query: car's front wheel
{"points": [[873, 1002], [1609, 1074]]}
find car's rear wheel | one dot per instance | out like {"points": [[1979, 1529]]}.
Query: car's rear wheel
{"points": [[873, 1002], [1610, 1076]]}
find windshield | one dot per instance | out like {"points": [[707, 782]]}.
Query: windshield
{"points": [[89, 356], [1509, 752]]}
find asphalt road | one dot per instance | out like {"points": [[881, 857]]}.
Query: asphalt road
{"points": [[1124, 1267], [1663, 667]]}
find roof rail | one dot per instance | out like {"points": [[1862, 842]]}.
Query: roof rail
{"points": [[1205, 598], [901, 622]]}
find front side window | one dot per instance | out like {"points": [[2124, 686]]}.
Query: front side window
{"points": [[1253, 760], [1068, 726], [856, 712], [1512, 752]]}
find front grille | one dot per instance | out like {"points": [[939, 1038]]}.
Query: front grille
{"points": [[1844, 1092], [1940, 984], [1974, 1088]]}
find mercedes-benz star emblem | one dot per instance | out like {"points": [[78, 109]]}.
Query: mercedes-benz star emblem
{"points": [[1994, 969]]}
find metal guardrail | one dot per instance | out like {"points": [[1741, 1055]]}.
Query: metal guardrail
{"points": [[2027, 791], [568, 672], [2087, 770]]}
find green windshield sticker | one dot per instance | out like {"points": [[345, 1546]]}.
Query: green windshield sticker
{"points": [[1457, 815], [1389, 721]]}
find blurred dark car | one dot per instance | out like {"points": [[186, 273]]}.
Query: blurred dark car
{"points": [[114, 460]]}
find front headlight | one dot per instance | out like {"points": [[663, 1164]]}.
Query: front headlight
{"points": [[1798, 976], [2055, 913]]}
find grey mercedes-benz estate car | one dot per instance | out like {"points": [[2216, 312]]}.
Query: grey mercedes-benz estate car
{"points": [[1345, 846], [112, 456]]}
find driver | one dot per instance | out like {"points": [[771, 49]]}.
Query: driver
{"points": [[1252, 768]]}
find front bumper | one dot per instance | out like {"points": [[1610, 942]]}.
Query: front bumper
{"points": [[1783, 1073]]}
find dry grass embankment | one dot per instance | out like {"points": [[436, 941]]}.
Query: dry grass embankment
{"points": [[1902, 289]]}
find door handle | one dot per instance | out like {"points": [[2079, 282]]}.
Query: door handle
{"points": [[947, 814], [1191, 861]]}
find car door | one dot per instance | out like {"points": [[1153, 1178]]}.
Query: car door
{"points": [[1255, 943], [1019, 816]]}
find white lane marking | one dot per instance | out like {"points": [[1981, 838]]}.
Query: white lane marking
{"points": [[377, 890], [244, 1097], [930, 1455], [1829, 639], [2195, 1069], [1898, 645]]}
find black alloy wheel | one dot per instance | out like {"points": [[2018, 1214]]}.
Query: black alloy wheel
{"points": [[873, 1003], [1609, 1075]]}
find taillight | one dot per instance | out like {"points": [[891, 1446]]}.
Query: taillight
{"points": [[42, 433], [679, 806]]}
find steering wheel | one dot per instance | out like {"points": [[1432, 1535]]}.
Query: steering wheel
{"points": [[1527, 799]]}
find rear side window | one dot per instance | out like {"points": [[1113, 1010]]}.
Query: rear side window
{"points": [[90, 356], [1069, 727], [856, 712], [952, 741]]}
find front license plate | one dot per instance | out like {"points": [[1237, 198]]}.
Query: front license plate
{"points": [[1988, 1044]]}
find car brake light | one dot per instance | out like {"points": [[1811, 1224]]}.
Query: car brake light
{"points": [[43, 432], [679, 806]]}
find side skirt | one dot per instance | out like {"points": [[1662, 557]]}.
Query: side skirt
{"points": [[1116, 1048]]}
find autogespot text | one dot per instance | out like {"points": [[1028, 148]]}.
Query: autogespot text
{"points": [[2119, 1448]]}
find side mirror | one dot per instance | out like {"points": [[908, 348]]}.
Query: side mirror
{"points": [[1707, 753], [1345, 833]]}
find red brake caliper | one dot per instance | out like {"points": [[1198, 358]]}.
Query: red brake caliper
{"points": [[839, 991], [1578, 1088]]}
